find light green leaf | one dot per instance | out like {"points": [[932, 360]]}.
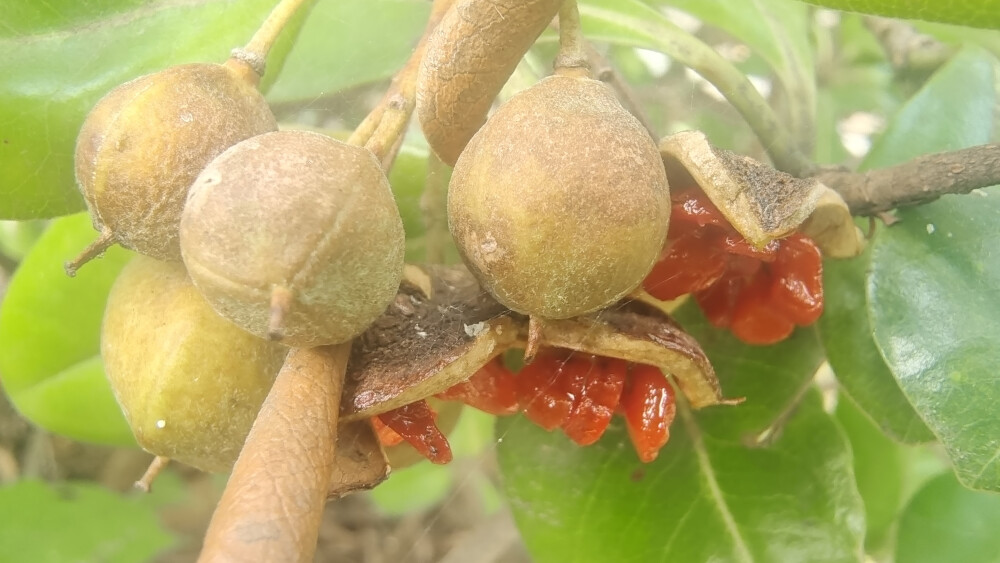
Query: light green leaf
{"points": [[878, 466], [846, 333], [947, 522], [50, 337], [349, 42], [715, 493], [973, 13], [934, 286], [45, 523], [413, 489], [58, 58]]}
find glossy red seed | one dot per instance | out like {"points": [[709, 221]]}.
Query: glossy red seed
{"points": [[755, 320], [386, 436], [593, 410], [692, 206], [692, 263], [415, 423], [543, 401], [492, 389], [648, 403], [797, 288], [717, 302]]}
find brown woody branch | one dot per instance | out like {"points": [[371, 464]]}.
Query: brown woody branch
{"points": [[917, 181]]}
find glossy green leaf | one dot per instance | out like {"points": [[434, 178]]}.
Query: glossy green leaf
{"points": [[413, 489], [717, 492], [934, 287], [349, 42], [50, 337], [846, 334], [947, 522], [973, 13], [45, 523], [58, 58], [878, 467]]}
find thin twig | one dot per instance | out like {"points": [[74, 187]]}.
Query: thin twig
{"points": [[917, 181], [606, 72], [273, 504], [386, 123], [571, 43], [905, 47]]}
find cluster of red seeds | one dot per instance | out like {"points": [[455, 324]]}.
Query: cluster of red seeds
{"points": [[578, 393], [760, 294]]}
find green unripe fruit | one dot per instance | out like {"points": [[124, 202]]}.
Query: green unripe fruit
{"points": [[144, 143], [559, 204], [189, 382], [294, 235]]}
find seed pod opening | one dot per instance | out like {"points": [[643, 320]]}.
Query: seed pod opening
{"points": [[294, 235], [559, 204], [144, 143]]}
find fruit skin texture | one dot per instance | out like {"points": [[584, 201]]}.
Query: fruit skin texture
{"points": [[559, 204], [190, 383], [145, 142], [300, 211]]}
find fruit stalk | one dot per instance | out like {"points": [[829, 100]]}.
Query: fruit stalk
{"points": [[572, 57], [291, 449], [254, 53]]}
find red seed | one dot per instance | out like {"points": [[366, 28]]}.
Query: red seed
{"points": [[692, 206], [717, 302], [386, 436], [593, 410], [797, 288], [492, 389], [648, 402], [733, 243], [692, 263], [755, 320], [415, 423], [543, 401]]}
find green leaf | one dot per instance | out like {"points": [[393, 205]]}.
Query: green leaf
{"points": [[50, 337], [45, 523], [878, 466], [58, 58], [846, 334], [413, 489], [934, 286], [349, 42], [716, 492], [973, 13], [947, 522]]}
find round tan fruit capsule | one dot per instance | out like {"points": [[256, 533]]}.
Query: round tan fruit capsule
{"points": [[145, 142], [559, 205], [294, 235], [189, 382]]}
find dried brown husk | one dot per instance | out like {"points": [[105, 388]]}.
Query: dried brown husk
{"points": [[761, 203], [145, 142], [425, 344], [468, 59]]}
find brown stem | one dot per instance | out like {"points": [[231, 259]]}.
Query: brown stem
{"points": [[607, 73], [145, 483], [273, 504], [917, 181], [905, 47], [386, 123], [95, 249], [572, 58]]}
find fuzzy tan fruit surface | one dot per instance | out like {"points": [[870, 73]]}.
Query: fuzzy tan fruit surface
{"points": [[189, 382], [302, 213], [144, 143], [559, 204]]}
